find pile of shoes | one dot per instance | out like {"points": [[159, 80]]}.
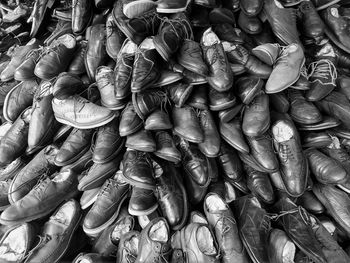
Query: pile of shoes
{"points": [[175, 131]]}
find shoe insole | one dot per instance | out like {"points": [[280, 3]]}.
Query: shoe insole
{"points": [[198, 218], [129, 48], [159, 232], [66, 213], [282, 132], [205, 241], [288, 252], [132, 244], [13, 247], [215, 203], [210, 38], [147, 44], [123, 227], [61, 176]]}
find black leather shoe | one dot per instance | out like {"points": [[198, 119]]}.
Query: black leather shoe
{"points": [[232, 133]]}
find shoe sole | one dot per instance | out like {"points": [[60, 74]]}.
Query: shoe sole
{"points": [[177, 10], [137, 128], [223, 106], [62, 133], [318, 142], [190, 139], [95, 231], [234, 145], [168, 157], [294, 4], [299, 120], [186, 95], [74, 159], [86, 126], [140, 148], [344, 188], [91, 201], [327, 5], [260, 52], [324, 127], [334, 39], [143, 212], [114, 107], [6, 101], [111, 157], [137, 183], [192, 68], [138, 8], [231, 113]]}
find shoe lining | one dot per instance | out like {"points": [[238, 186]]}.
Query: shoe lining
{"points": [[282, 132], [215, 203], [288, 252], [210, 38], [205, 241], [158, 232], [198, 218], [13, 247], [120, 229], [132, 245]]}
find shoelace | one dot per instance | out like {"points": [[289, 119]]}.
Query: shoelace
{"points": [[107, 188], [182, 24], [285, 152], [282, 55], [43, 240], [150, 19], [130, 257], [324, 69], [106, 79]]}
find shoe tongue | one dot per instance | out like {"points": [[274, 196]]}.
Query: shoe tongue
{"points": [[158, 232], [335, 144], [282, 132], [147, 44], [334, 12], [278, 4], [210, 38], [215, 203], [67, 40]]}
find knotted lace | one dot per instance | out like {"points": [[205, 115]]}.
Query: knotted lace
{"points": [[285, 152], [150, 19], [183, 24], [324, 69]]}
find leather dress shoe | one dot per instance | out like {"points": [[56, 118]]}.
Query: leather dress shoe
{"points": [[290, 3], [61, 225], [336, 204], [221, 15], [190, 238], [230, 164], [259, 184], [193, 78], [62, 27], [56, 57], [77, 65], [313, 26], [254, 226], [147, 102], [322, 79], [230, 113], [114, 38], [14, 142], [248, 87], [106, 85], [267, 53], [251, 7], [326, 169], [149, 241], [342, 84], [337, 27], [296, 223], [280, 246], [11, 170], [328, 50], [95, 54], [123, 69], [279, 102], [89, 257], [18, 99], [141, 140], [256, 118], [37, 15], [106, 208], [67, 84], [146, 66], [25, 71], [322, 4], [293, 164], [130, 122], [26, 179], [4, 202], [83, 163], [82, 15], [316, 139], [138, 170], [310, 202], [167, 6], [327, 122], [220, 217], [249, 24], [142, 202], [5, 88], [168, 77], [211, 143], [172, 196], [128, 246], [283, 75], [158, 120], [282, 21], [166, 148], [342, 132], [220, 74], [42, 199], [226, 32], [336, 105], [261, 148], [186, 124], [302, 111], [239, 54], [199, 97], [303, 82], [190, 57], [77, 143], [232, 133], [221, 100], [132, 8], [179, 93], [205, 3]]}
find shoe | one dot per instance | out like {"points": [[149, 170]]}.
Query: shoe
{"points": [[198, 98], [166, 6], [283, 75], [167, 77], [220, 74], [77, 65], [43, 125], [11, 170], [158, 120], [221, 15], [220, 218], [337, 27], [114, 38], [171, 193], [327, 122], [62, 28], [228, 114], [179, 93], [316, 139], [293, 164], [17, 58], [130, 122], [14, 142], [67, 84], [108, 143], [232, 133], [210, 146], [190, 56], [88, 198], [166, 148], [230, 163], [310, 202], [155, 234], [282, 21], [141, 140], [37, 15], [342, 84], [25, 71], [61, 225], [89, 115], [252, 7], [322, 78], [12, 251], [172, 33], [4, 201], [303, 82], [63, 14], [186, 124], [142, 202], [279, 102], [301, 110], [226, 32], [128, 246], [221, 100], [249, 24], [256, 118], [5, 88], [280, 246], [248, 87], [9, 40], [18, 99], [267, 53], [123, 70], [95, 54], [138, 170], [312, 24], [136, 8], [77, 143], [82, 15], [336, 105], [55, 58], [89, 257], [145, 69], [42, 199], [322, 4], [106, 208], [328, 50], [106, 85]]}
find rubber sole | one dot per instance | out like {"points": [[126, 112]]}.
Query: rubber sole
{"points": [[6, 101], [85, 126], [327, 5], [175, 10], [143, 212]]}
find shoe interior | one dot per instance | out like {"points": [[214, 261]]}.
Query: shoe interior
{"points": [[145, 219], [159, 232], [31, 42], [67, 40], [329, 226], [129, 47], [13, 247], [84, 260], [215, 203], [65, 213], [288, 252], [230, 193], [210, 38], [61, 176], [198, 218], [27, 114], [123, 227], [282, 132], [132, 245], [147, 43], [205, 241]]}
